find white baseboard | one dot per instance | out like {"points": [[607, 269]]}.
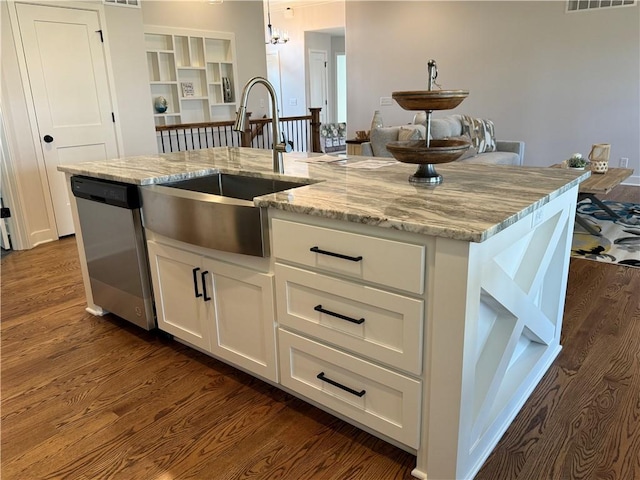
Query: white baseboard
{"points": [[632, 180]]}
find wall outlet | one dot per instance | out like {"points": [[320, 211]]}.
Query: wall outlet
{"points": [[293, 102], [624, 162], [262, 103], [386, 101]]}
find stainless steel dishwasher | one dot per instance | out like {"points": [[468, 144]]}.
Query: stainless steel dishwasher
{"points": [[114, 244]]}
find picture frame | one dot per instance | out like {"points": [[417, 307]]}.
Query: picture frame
{"points": [[187, 89]]}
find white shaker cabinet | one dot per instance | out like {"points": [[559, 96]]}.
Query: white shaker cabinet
{"points": [[224, 309], [181, 309], [351, 316]]}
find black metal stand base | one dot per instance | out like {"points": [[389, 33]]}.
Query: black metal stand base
{"points": [[426, 174]]}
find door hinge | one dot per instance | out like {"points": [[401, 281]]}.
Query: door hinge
{"points": [[113, 117], [325, 64], [5, 212], [101, 37]]}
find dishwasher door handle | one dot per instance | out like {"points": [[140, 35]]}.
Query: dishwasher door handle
{"points": [[195, 282]]}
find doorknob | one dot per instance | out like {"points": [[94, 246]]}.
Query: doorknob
{"points": [[48, 138]]}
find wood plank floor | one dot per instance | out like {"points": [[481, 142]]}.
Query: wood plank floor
{"points": [[96, 398]]}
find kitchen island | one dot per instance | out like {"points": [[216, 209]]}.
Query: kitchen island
{"points": [[424, 315]]}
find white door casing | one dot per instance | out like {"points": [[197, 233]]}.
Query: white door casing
{"points": [[319, 82], [68, 82], [273, 75]]}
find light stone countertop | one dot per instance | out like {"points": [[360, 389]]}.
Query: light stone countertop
{"points": [[473, 203]]}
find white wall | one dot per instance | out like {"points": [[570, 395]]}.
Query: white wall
{"points": [[126, 44], [294, 54], [337, 46], [558, 81]]}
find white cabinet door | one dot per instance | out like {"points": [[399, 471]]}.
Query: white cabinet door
{"points": [[181, 303], [243, 308]]}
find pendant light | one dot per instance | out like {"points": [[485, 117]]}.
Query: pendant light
{"points": [[275, 35]]}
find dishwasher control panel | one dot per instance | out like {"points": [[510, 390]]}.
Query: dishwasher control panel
{"points": [[118, 194]]}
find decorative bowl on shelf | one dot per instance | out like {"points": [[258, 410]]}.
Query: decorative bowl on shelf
{"points": [[430, 99]]}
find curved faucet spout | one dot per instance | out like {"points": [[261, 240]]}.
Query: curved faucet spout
{"points": [[241, 121]]}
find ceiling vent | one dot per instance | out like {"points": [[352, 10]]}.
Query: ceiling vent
{"points": [[123, 3], [583, 5]]}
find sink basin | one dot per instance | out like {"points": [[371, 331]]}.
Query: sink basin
{"points": [[214, 211], [235, 186]]}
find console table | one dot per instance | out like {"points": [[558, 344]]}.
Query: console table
{"points": [[600, 184], [354, 146]]}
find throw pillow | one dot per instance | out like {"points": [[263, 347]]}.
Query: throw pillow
{"points": [[409, 134], [481, 132]]}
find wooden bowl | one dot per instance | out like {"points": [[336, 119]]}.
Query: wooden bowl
{"points": [[430, 99], [439, 151]]}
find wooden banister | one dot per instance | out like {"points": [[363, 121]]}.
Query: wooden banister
{"points": [[192, 136], [315, 129]]}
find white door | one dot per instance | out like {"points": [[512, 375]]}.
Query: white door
{"points": [[69, 86], [319, 82]]}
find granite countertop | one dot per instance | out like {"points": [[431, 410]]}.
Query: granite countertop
{"points": [[473, 203]]}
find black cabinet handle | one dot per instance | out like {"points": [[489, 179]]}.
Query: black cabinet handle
{"points": [[339, 385], [318, 308], [47, 139], [195, 282], [332, 254], [203, 275]]}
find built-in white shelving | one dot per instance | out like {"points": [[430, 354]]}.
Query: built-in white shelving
{"points": [[195, 71]]}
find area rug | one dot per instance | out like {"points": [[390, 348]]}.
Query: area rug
{"points": [[620, 240]]}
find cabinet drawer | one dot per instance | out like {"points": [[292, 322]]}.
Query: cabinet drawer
{"points": [[384, 401], [380, 325], [371, 259]]}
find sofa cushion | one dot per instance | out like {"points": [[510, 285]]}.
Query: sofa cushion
{"points": [[379, 139], [481, 132], [494, 158], [449, 126]]}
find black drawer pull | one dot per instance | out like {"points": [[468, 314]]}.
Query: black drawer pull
{"points": [[195, 282], [336, 384], [332, 254], [318, 308], [203, 275]]}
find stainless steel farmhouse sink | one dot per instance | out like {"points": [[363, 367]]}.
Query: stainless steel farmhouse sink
{"points": [[214, 211], [235, 186]]}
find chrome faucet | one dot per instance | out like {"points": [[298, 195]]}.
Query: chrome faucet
{"points": [[241, 121]]}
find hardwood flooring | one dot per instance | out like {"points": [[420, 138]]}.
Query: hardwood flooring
{"points": [[96, 398]]}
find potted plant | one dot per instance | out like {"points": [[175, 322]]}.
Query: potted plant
{"points": [[577, 161]]}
